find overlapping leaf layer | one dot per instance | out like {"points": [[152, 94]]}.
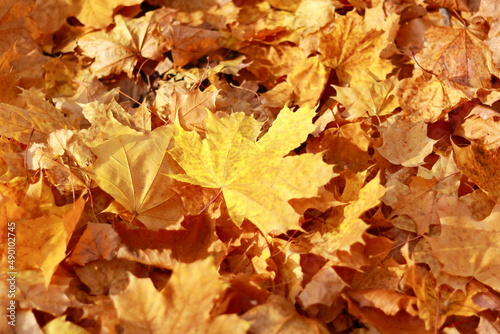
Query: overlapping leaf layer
{"points": [[263, 166]]}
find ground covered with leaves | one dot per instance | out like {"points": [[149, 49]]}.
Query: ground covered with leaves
{"points": [[217, 166]]}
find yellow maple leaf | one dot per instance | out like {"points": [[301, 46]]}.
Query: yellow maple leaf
{"points": [[255, 178], [375, 98], [38, 224], [132, 168], [183, 306], [353, 50], [99, 14]]}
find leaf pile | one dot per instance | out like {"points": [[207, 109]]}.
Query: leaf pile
{"points": [[309, 166]]}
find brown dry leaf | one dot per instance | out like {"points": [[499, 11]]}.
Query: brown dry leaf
{"points": [[278, 315], [321, 297], [481, 130], [133, 168], [217, 13], [428, 99], [405, 142], [259, 23], [52, 14], [17, 28], [127, 43], [107, 277], [303, 85], [196, 240], [186, 108], [480, 164], [417, 206], [458, 55], [109, 119], [435, 302], [401, 322], [99, 241], [470, 248], [188, 44], [390, 302], [465, 5], [347, 147], [20, 71], [50, 299]]}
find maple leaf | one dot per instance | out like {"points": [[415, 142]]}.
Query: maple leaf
{"points": [[164, 248], [11, 162], [17, 28], [479, 163], [99, 14], [188, 43], [32, 124], [192, 287], [436, 302], [347, 146], [187, 108], [279, 315], [122, 47], [405, 143], [303, 86], [428, 100], [107, 277], [132, 168], [373, 99], [99, 241], [217, 13], [458, 55], [351, 228], [467, 247], [349, 45], [255, 178], [322, 295], [401, 322], [45, 227]]}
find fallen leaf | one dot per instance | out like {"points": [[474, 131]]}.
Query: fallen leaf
{"points": [[233, 166], [467, 247], [405, 143], [348, 45], [278, 315], [370, 99], [133, 169]]}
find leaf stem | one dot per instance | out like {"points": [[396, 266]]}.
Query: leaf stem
{"points": [[211, 201]]}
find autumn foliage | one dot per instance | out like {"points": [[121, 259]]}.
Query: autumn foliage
{"points": [[213, 166]]}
